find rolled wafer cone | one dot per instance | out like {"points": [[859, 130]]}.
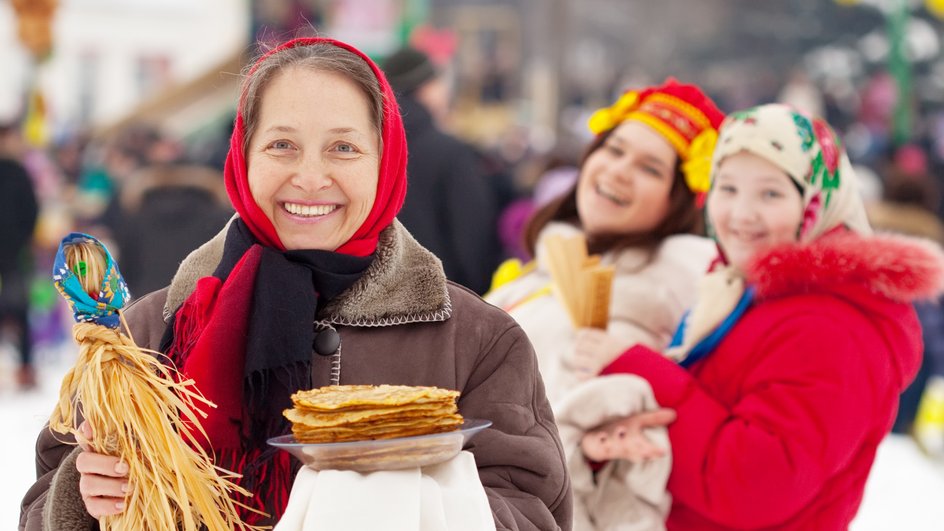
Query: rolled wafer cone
{"points": [[581, 283]]}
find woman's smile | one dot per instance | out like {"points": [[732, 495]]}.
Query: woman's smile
{"points": [[611, 195], [309, 212], [747, 235]]}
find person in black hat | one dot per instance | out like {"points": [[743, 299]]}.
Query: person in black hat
{"points": [[18, 214], [450, 206]]}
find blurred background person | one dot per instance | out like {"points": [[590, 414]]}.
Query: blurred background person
{"points": [[910, 198], [165, 212], [451, 206], [637, 203], [18, 213]]}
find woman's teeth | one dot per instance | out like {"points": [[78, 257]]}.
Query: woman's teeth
{"points": [[747, 236], [309, 210], [611, 196]]}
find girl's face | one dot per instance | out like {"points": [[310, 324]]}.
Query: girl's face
{"points": [[753, 205], [624, 185], [314, 160]]}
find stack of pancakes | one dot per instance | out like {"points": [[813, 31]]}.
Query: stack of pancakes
{"points": [[342, 413]]}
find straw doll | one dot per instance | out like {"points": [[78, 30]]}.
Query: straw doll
{"points": [[134, 407]]}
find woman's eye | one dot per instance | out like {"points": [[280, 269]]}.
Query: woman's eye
{"points": [[613, 150], [346, 148], [727, 188], [280, 144], [652, 170], [771, 194]]}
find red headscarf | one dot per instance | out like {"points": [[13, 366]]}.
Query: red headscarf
{"points": [[391, 182]]}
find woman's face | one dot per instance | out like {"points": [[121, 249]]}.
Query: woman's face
{"points": [[753, 205], [624, 185], [314, 159]]}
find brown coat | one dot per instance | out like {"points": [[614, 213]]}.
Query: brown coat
{"points": [[401, 323]]}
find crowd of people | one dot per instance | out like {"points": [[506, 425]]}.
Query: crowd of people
{"points": [[760, 334]]}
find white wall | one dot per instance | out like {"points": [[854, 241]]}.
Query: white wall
{"points": [[194, 34]]}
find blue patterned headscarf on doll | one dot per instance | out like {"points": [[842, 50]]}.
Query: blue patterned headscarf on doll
{"points": [[101, 307]]}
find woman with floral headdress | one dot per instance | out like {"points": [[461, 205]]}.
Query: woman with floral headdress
{"points": [[315, 264], [636, 201], [802, 339]]}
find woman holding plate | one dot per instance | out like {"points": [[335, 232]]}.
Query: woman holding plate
{"points": [[315, 283]]}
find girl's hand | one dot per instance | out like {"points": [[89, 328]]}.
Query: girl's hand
{"points": [[624, 438], [593, 350], [104, 484]]}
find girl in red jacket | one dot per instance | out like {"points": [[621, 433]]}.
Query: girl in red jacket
{"points": [[804, 335]]}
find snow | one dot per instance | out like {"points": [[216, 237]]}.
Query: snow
{"points": [[905, 490]]}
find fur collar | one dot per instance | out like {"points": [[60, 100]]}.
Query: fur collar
{"points": [[901, 268], [404, 284]]}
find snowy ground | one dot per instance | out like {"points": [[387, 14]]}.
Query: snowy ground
{"points": [[905, 491]]}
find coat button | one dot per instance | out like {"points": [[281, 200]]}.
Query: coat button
{"points": [[327, 342]]}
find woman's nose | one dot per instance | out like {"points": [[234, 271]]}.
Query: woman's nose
{"points": [[311, 174], [621, 170], [743, 209]]}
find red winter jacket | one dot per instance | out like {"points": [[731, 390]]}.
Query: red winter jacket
{"points": [[778, 427]]}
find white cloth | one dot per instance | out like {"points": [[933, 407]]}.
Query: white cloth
{"points": [[444, 497]]}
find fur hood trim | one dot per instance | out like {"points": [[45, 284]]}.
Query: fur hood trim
{"points": [[404, 284], [901, 268]]}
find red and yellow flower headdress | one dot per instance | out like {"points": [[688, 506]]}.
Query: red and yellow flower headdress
{"points": [[683, 114]]}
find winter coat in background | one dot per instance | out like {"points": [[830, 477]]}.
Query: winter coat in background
{"points": [[778, 426], [451, 207], [915, 220], [166, 212], [400, 323], [651, 291], [18, 213]]}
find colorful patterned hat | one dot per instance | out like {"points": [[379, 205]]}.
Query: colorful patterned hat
{"points": [[683, 114], [810, 152]]}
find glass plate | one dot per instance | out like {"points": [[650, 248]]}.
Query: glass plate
{"points": [[382, 454]]}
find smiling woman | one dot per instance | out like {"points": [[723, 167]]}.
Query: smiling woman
{"points": [[637, 203], [802, 338], [755, 205], [316, 183], [315, 263], [625, 187]]}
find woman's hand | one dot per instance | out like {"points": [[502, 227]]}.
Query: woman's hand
{"points": [[594, 349], [624, 438], [104, 483]]}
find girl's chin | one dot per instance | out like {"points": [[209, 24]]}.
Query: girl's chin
{"points": [[742, 256]]}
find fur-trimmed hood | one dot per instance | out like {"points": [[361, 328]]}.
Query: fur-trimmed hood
{"points": [[873, 274], [405, 283], [900, 268]]}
